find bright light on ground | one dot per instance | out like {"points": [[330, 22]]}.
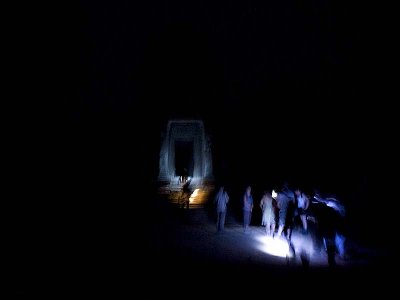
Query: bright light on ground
{"points": [[274, 246], [194, 195]]}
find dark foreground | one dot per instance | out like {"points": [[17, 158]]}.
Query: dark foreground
{"points": [[152, 250]]}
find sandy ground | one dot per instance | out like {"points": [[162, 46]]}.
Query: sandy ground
{"points": [[186, 242], [169, 252]]}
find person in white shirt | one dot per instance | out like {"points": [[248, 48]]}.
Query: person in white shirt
{"points": [[303, 202], [221, 201]]}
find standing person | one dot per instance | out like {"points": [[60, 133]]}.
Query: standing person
{"points": [[282, 201], [331, 222], [221, 200], [268, 213], [185, 196], [247, 208], [303, 202]]}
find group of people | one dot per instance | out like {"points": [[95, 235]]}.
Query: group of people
{"points": [[284, 208], [274, 205], [278, 208]]}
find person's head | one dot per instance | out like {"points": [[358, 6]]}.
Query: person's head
{"points": [[248, 190]]}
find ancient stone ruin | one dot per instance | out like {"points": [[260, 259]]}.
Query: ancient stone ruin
{"points": [[185, 153]]}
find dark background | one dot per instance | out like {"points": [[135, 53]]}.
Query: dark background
{"points": [[288, 90], [276, 83]]}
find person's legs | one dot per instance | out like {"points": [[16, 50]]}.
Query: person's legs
{"points": [[303, 218], [222, 221], [246, 219], [280, 229], [289, 232], [340, 244], [282, 219]]}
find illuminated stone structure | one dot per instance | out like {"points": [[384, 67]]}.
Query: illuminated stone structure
{"points": [[185, 138]]}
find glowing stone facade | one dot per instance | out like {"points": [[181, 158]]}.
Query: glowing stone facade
{"points": [[189, 132]]}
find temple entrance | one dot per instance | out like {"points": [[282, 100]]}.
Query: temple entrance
{"points": [[186, 173], [185, 151], [184, 161]]}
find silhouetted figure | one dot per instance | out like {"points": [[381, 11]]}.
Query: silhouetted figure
{"points": [[330, 217], [290, 215], [282, 201], [303, 202], [267, 205], [247, 208], [221, 200], [184, 176], [185, 195]]}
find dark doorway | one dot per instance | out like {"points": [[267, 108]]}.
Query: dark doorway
{"points": [[184, 158]]}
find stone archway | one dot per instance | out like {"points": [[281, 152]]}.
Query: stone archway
{"points": [[191, 136]]}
